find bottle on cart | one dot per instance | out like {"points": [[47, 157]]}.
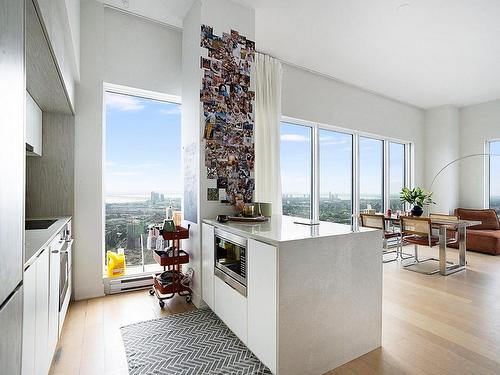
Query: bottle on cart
{"points": [[151, 240], [170, 213]]}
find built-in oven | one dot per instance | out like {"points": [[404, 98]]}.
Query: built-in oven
{"points": [[64, 273], [65, 264], [230, 254]]}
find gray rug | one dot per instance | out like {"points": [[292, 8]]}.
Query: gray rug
{"points": [[195, 342]]}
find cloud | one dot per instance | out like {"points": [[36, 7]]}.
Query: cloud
{"points": [[148, 165], [124, 103], [110, 164], [126, 174], [171, 111], [294, 138], [332, 143]]}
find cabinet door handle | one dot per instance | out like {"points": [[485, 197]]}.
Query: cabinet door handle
{"points": [[55, 251]]}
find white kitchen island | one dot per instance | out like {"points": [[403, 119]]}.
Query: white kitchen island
{"points": [[314, 293]]}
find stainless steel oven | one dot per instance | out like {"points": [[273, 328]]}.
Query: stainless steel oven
{"points": [[231, 260], [64, 263]]}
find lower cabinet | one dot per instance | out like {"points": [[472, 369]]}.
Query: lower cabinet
{"points": [[42, 359], [55, 269], [37, 347], [231, 307], [207, 259], [29, 320], [253, 318], [262, 302]]}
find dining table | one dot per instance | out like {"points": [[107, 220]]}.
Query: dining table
{"points": [[460, 226]]}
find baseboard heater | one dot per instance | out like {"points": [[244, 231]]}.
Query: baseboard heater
{"points": [[127, 283]]}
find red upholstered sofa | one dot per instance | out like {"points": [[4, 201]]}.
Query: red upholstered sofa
{"points": [[484, 238]]}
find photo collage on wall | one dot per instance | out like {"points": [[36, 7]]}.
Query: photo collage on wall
{"points": [[228, 115]]}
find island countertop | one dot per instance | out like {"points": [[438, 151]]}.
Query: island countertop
{"points": [[37, 239], [279, 229]]}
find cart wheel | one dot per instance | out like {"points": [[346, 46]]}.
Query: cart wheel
{"points": [[188, 299], [151, 292], [162, 304]]}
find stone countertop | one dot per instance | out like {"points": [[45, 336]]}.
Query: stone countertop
{"points": [[37, 239], [279, 229]]}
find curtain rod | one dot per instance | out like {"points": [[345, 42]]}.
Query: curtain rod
{"points": [[146, 18], [328, 76]]}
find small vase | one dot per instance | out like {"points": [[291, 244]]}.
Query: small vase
{"points": [[417, 211]]}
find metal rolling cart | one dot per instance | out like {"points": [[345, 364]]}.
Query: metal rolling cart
{"points": [[169, 282]]}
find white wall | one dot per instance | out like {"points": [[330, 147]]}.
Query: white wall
{"points": [[442, 147], [213, 13], [312, 97], [121, 49], [478, 123]]}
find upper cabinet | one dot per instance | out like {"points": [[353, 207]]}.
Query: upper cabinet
{"points": [[33, 127], [52, 53]]}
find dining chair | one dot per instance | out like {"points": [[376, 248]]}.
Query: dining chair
{"points": [[418, 231], [377, 221], [451, 235]]}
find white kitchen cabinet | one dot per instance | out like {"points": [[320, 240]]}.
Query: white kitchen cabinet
{"points": [[42, 359], [207, 258], [29, 320], [33, 125], [55, 267], [261, 299], [231, 307]]}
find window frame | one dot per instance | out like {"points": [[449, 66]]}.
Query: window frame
{"points": [[487, 172], [355, 174], [130, 91]]}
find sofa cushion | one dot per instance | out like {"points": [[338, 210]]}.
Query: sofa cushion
{"points": [[486, 241], [488, 218]]}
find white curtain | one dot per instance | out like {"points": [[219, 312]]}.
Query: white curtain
{"points": [[268, 73]]}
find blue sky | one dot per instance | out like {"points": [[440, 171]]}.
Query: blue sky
{"points": [[143, 146]]}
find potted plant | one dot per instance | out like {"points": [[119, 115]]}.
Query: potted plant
{"points": [[418, 198]]}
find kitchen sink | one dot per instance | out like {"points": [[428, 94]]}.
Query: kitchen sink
{"points": [[38, 224]]}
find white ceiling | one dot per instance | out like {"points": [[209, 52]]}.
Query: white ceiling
{"points": [[424, 52], [170, 12]]}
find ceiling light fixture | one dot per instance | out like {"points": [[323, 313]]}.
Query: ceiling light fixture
{"points": [[403, 6]]}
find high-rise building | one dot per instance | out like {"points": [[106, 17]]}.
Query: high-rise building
{"points": [[134, 231]]}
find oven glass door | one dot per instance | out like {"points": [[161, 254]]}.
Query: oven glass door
{"points": [[231, 259], [63, 278]]}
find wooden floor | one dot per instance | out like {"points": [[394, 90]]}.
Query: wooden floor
{"points": [[431, 325]]}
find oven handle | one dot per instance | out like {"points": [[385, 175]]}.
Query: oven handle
{"points": [[240, 288], [67, 246], [237, 240]]}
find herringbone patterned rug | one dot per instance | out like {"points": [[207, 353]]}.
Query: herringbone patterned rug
{"points": [[195, 342]]}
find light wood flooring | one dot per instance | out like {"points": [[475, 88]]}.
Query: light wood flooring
{"points": [[431, 325]]}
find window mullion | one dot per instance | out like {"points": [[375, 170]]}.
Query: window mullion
{"points": [[355, 176], [385, 177], [315, 175]]}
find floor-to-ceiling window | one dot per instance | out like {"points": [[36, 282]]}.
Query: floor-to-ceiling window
{"points": [[396, 175], [335, 176], [142, 174], [296, 165], [329, 173], [371, 173], [494, 180]]}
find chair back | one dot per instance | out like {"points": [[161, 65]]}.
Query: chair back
{"points": [[373, 221], [420, 226], [443, 217]]}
